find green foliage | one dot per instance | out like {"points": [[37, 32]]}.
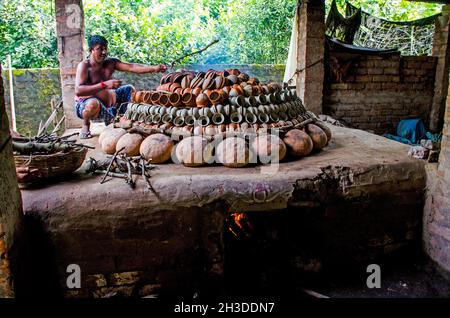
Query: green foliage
{"points": [[27, 33], [159, 31], [393, 10]]}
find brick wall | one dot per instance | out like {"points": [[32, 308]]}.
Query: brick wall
{"points": [[377, 92], [437, 207]]}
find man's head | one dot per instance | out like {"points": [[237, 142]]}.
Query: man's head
{"points": [[98, 47]]}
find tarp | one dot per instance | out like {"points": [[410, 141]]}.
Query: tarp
{"points": [[410, 131], [291, 63]]}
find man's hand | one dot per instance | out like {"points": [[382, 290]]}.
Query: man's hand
{"points": [[113, 83], [161, 68]]}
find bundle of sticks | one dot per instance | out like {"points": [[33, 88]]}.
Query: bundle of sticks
{"points": [[122, 166], [45, 144]]}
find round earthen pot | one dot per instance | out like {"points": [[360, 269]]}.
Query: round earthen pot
{"points": [[156, 148], [318, 136], [194, 151], [131, 143], [325, 128], [270, 148], [298, 143], [110, 139], [233, 152]]}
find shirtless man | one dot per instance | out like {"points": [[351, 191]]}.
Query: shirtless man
{"points": [[97, 95]]}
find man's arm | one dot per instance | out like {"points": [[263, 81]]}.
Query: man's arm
{"points": [[139, 68], [82, 88]]}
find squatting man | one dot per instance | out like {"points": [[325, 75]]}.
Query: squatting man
{"points": [[97, 94]]}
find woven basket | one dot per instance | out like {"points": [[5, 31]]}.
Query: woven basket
{"points": [[51, 165]]}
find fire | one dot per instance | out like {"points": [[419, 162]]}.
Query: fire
{"points": [[239, 224]]}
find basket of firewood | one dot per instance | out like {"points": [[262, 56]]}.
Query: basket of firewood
{"points": [[46, 157]]}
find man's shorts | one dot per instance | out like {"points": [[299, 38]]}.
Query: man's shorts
{"points": [[123, 96]]}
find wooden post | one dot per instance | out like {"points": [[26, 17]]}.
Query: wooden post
{"points": [[70, 33], [310, 54], [10, 203]]}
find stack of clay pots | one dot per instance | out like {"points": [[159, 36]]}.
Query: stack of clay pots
{"points": [[216, 101], [203, 105]]}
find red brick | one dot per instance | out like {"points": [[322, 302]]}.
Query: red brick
{"points": [[391, 71], [380, 78], [375, 71], [373, 86], [363, 78]]}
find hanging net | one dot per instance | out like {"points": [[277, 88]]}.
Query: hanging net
{"points": [[410, 38]]}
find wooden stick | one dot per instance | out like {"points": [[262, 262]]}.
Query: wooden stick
{"points": [[193, 53], [58, 125], [110, 164], [313, 293], [130, 176], [112, 174]]}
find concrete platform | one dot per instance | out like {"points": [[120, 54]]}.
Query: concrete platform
{"points": [[357, 199]]}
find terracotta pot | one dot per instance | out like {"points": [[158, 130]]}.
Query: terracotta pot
{"points": [[197, 91], [174, 87], [188, 99], [164, 100], [138, 96], [155, 98], [253, 81], [234, 71], [243, 77], [233, 79], [208, 83], [185, 82], [215, 97], [175, 100], [219, 81], [202, 100]]}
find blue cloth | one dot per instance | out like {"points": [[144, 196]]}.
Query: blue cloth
{"points": [[410, 131], [123, 96]]}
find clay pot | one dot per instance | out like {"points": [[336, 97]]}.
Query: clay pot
{"points": [[197, 91], [155, 98], [298, 143], [173, 87], [110, 138], [164, 87], [243, 77], [219, 82], [208, 83], [215, 97], [239, 89], [194, 151], [138, 97], [248, 90], [233, 152], [233, 79], [178, 77], [175, 100], [186, 82], [253, 81], [202, 100], [189, 100], [164, 100], [131, 142], [318, 136], [325, 128], [234, 71], [269, 148], [156, 148], [226, 89]]}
